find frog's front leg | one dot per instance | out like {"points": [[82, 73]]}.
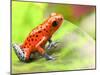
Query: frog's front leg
{"points": [[51, 44], [42, 51]]}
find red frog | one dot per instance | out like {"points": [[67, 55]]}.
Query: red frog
{"points": [[38, 37]]}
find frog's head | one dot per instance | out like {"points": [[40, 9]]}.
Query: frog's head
{"points": [[55, 20]]}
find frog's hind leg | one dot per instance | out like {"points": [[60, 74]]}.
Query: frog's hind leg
{"points": [[19, 52]]}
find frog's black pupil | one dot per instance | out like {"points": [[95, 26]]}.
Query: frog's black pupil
{"points": [[54, 23]]}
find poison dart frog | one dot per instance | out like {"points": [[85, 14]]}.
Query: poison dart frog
{"points": [[38, 37]]}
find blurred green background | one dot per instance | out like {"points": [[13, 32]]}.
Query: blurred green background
{"points": [[77, 36]]}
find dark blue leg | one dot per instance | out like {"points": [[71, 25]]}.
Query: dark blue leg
{"points": [[19, 52], [51, 44]]}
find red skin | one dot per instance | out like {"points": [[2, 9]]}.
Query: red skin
{"points": [[39, 36]]}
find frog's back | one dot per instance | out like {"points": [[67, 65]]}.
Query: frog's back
{"points": [[35, 36]]}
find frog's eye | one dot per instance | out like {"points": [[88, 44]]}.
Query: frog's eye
{"points": [[55, 23]]}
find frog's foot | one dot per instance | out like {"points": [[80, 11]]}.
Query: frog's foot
{"points": [[48, 57], [52, 44], [19, 52]]}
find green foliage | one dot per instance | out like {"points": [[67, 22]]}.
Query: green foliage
{"points": [[24, 18], [72, 51]]}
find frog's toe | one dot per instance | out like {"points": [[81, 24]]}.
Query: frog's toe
{"points": [[48, 57], [51, 58], [51, 45]]}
